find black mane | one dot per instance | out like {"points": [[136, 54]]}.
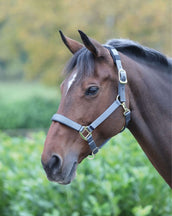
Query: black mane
{"points": [[140, 53], [84, 59]]}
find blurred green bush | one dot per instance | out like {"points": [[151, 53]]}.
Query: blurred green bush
{"points": [[120, 181], [24, 105], [34, 112]]}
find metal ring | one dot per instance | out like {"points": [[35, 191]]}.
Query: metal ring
{"points": [[91, 157], [117, 97]]}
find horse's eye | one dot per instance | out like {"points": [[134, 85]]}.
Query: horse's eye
{"points": [[91, 91]]}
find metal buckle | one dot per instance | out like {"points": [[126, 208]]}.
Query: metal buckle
{"points": [[85, 133], [124, 74], [126, 110]]}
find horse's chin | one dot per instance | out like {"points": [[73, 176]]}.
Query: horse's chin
{"points": [[66, 176]]}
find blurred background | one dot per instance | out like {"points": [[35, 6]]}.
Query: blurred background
{"points": [[119, 182]]}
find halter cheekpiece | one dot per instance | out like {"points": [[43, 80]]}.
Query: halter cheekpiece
{"points": [[86, 131]]}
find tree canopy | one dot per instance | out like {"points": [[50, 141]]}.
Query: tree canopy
{"points": [[32, 49]]}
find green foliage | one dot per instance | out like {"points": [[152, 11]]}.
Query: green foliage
{"points": [[120, 181], [26, 105], [31, 113], [31, 48]]}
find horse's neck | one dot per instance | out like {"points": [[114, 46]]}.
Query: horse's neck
{"points": [[149, 95]]}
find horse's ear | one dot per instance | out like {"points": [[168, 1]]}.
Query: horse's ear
{"points": [[72, 45], [94, 46]]}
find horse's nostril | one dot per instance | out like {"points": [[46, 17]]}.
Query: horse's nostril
{"points": [[54, 163]]}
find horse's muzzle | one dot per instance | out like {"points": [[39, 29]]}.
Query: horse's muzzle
{"points": [[60, 172]]}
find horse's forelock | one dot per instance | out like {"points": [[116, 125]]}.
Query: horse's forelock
{"points": [[83, 61]]}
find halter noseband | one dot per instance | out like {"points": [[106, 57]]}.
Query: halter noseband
{"points": [[86, 131]]}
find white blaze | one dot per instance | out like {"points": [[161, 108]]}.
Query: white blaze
{"points": [[71, 81]]}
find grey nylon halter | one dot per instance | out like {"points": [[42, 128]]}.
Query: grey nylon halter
{"points": [[86, 131]]}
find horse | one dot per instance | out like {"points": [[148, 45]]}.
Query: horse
{"points": [[108, 88]]}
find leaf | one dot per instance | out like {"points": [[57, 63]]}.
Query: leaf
{"points": [[142, 211]]}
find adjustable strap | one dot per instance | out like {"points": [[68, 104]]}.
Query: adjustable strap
{"points": [[127, 118], [105, 115], [121, 72], [66, 121], [92, 145]]}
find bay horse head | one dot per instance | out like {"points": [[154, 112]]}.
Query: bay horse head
{"points": [[93, 89]]}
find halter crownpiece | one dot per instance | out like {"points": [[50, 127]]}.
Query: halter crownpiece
{"points": [[86, 131]]}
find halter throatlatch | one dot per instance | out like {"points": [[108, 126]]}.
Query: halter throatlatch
{"points": [[86, 131]]}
